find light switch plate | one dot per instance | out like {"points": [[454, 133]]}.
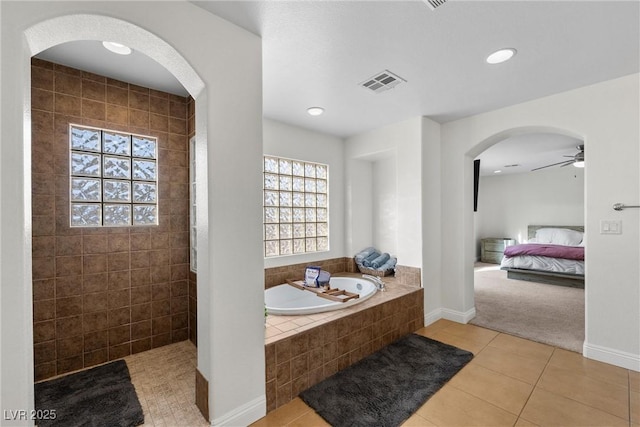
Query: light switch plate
{"points": [[610, 227]]}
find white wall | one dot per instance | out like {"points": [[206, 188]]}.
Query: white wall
{"points": [[607, 117], [384, 196], [431, 220], [229, 135], [401, 144], [296, 143], [507, 204]]}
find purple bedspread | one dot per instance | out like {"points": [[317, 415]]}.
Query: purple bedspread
{"points": [[552, 251]]}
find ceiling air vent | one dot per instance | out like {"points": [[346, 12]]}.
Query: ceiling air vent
{"points": [[433, 4], [382, 81]]}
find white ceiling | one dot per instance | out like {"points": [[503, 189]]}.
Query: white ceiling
{"points": [[522, 153], [316, 52]]}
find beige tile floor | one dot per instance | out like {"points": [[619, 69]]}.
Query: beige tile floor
{"points": [[511, 381], [164, 379]]}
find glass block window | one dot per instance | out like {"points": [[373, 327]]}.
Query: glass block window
{"points": [[296, 211], [113, 178]]}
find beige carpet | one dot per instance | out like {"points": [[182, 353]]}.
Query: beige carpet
{"points": [[544, 313]]}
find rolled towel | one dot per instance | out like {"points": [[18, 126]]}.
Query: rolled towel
{"points": [[363, 254], [367, 261], [391, 263], [376, 263]]}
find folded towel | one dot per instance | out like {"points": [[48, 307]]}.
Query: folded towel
{"points": [[363, 254], [367, 261], [376, 263], [391, 263]]}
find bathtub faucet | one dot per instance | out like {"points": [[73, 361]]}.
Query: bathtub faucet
{"points": [[375, 279]]}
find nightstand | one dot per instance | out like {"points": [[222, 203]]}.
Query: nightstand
{"points": [[492, 249]]}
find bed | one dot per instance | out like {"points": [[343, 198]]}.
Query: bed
{"points": [[553, 255]]}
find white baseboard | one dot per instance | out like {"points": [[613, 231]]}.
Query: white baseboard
{"points": [[611, 356], [459, 316], [432, 316], [244, 415], [453, 315]]}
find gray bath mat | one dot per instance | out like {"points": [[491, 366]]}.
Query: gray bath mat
{"points": [[387, 387], [101, 396]]}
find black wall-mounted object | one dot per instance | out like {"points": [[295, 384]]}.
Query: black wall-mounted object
{"points": [[476, 180]]}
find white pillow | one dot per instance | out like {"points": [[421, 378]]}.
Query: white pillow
{"points": [[559, 236]]}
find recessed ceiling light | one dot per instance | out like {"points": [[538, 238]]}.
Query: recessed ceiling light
{"points": [[501, 55], [118, 48], [315, 111], [498, 171]]}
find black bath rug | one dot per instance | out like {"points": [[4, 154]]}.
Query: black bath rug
{"points": [[101, 396], [387, 387]]}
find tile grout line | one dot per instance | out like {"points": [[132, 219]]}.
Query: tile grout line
{"points": [[536, 383], [629, 395]]}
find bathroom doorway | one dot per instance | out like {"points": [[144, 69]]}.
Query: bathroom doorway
{"points": [[511, 198]]}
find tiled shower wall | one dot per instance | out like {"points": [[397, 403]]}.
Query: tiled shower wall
{"points": [[104, 293]]}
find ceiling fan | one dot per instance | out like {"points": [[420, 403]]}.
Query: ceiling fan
{"points": [[576, 160]]}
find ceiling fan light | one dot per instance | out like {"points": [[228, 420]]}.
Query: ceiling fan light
{"points": [[579, 164]]}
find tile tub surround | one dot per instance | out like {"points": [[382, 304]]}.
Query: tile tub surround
{"points": [[316, 346], [104, 293], [277, 275]]}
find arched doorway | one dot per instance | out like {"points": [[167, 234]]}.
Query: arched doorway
{"points": [[94, 27], [523, 186]]}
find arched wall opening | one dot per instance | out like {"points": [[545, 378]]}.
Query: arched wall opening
{"points": [[228, 120], [469, 227], [69, 28]]}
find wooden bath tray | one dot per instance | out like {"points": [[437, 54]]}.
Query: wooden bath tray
{"points": [[332, 294]]}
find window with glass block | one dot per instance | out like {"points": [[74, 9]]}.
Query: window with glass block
{"points": [[114, 178], [296, 211]]}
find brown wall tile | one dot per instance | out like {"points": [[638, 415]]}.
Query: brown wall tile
{"points": [[68, 245], [117, 115], [68, 347], [140, 259], [93, 284], [41, 99], [69, 327], [42, 78], [140, 312], [119, 279], [44, 310], [69, 105], [67, 84], [44, 352], [93, 90], [96, 357], [119, 351], [141, 330], [119, 298], [93, 110], [96, 321], [119, 316], [140, 345], [95, 302], [118, 96], [71, 306], [43, 289], [44, 331]]}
